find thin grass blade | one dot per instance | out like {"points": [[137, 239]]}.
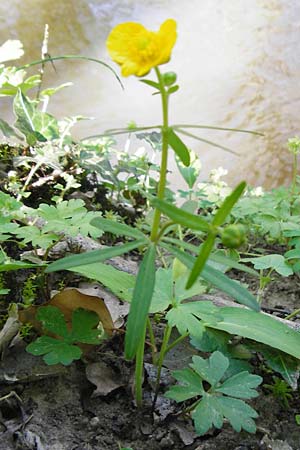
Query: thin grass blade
{"points": [[140, 304]]}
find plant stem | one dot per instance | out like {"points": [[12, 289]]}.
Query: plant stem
{"points": [[31, 174], [160, 361], [164, 156], [294, 179], [139, 368], [152, 340], [155, 226], [176, 342], [293, 314]]}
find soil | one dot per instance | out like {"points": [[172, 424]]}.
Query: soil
{"points": [[59, 408], [55, 408]]}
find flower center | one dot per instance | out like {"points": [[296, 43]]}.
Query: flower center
{"points": [[146, 46]]}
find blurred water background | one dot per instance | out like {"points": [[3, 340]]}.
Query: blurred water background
{"points": [[238, 65]]}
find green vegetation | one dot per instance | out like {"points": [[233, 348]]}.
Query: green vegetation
{"points": [[125, 204]]}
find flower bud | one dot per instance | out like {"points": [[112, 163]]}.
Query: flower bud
{"points": [[233, 236], [169, 78]]}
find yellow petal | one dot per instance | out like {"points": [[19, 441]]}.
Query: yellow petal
{"points": [[137, 50]]}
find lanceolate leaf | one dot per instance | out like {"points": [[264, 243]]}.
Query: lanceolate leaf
{"points": [[181, 216], [221, 259], [151, 83], [140, 303], [7, 130], [228, 204], [218, 220], [217, 279], [119, 229], [69, 262], [259, 327], [179, 147], [201, 259]]}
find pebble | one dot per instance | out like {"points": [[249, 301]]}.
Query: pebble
{"points": [[94, 422]]}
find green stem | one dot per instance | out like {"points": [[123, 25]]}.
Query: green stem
{"points": [[31, 174], [176, 342], [160, 361], [294, 179], [152, 340], [155, 227], [293, 314], [139, 368], [164, 156]]}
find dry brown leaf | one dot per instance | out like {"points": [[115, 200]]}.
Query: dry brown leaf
{"points": [[67, 301], [104, 378]]}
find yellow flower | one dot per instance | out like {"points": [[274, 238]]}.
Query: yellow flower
{"points": [[137, 50]]}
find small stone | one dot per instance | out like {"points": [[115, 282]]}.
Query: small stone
{"points": [[166, 442], [94, 422]]}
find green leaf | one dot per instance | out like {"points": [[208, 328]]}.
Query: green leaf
{"points": [[62, 350], [54, 351], [83, 327], [191, 385], [259, 327], [181, 216], [214, 407], [218, 219], [238, 413], [69, 262], [169, 291], [118, 282], [179, 147], [140, 303], [292, 254], [241, 385], [151, 83], [200, 262], [16, 265], [7, 130], [280, 362], [228, 204], [190, 173], [185, 316], [217, 279], [53, 320], [119, 229], [34, 124], [173, 89], [211, 370], [213, 257], [276, 262], [207, 414]]}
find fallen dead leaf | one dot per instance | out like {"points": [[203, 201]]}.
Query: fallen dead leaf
{"points": [[103, 377], [67, 301]]}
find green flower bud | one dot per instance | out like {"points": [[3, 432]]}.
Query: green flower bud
{"points": [[233, 236], [169, 78]]}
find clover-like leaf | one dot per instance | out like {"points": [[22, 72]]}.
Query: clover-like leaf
{"points": [[191, 385], [185, 316], [54, 350], [238, 413], [274, 261], [207, 415], [212, 369], [83, 327], [218, 402], [62, 350], [241, 385], [53, 320]]}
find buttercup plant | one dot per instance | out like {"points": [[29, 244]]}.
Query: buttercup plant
{"points": [[138, 51]]}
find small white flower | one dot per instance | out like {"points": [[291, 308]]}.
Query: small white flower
{"points": [[257, 192], [11, 49], [216, 174]]}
